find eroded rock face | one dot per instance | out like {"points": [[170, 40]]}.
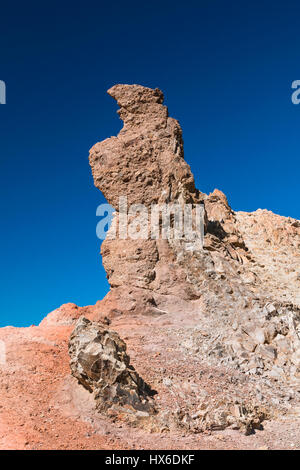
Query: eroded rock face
{"points": [[248, 314], [100, 363], [145, 163]]}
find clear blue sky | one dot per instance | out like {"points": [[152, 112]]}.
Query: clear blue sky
{"points": [[226, 69]]}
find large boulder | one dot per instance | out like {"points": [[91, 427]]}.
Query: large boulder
{"points": [[100, 363]]}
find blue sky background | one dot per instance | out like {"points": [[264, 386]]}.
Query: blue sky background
{"points": [[226, 69]]}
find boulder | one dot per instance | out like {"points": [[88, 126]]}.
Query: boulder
{"points": [[100, 363]]}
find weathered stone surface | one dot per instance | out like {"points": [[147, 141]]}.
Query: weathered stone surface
{"points": [[100, 362], [145, 161], [230, 282]]}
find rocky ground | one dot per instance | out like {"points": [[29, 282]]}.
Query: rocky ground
{"points": [[43, 407], [212, 334]]}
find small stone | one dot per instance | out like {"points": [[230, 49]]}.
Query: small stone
{"points": [[167, 382], [267, 352]]}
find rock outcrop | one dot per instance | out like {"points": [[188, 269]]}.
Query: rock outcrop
{"points": [[100, 363], [250, 322], [145, 163]]}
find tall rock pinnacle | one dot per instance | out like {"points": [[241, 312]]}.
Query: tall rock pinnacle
{"points": [[145, 163], [227, 283]]}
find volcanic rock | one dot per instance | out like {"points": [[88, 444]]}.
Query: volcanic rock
{"points": [[229, 284], [100, 363]]}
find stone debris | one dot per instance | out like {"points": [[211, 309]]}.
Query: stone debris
{"points": [[219, 416]]}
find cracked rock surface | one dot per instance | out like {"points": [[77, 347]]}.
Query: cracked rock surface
{"points": [[100, 363]]}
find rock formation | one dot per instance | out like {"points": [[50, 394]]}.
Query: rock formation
{"points": [[214, 331], [250, 324], [144, 163], [100, 362]]}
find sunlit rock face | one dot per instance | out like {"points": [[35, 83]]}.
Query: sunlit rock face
{"points": [[243, 283]]}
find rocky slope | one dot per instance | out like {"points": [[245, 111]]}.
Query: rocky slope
{"points": [[213, 332]]}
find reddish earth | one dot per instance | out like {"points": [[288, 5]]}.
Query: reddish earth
{"points": [[42, 407]]}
